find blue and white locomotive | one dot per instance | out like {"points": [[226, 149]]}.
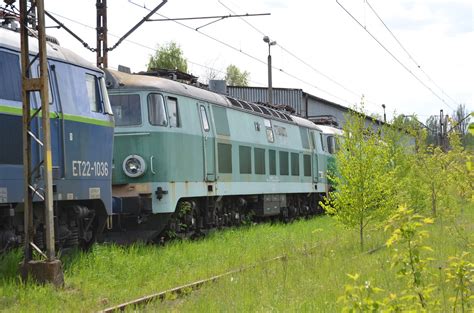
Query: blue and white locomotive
{"points": [[81, 140]]}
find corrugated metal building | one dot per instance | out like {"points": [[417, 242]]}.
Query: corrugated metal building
{"points": [[305, 104]]}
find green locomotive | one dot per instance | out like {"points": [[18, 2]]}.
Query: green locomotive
{"points": [[187, 160]]}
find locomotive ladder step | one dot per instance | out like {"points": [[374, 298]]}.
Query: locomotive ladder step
{"points": [[32, 135], [35, 191]]}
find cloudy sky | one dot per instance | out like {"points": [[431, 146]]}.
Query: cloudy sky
{"points": [[320, 47]]}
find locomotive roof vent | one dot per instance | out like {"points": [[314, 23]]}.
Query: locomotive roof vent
{"points": [[124, 69]]}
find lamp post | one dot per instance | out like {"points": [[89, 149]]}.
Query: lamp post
{"points": [[384, 115], [270, 91]]}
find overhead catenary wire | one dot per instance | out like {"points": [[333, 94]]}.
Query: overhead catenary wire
{"points": [[408, 54], [141, 45], [241, 51], [295, 56], [393, 56]]}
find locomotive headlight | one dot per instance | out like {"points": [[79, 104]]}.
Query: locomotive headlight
{"points": [[134, 166]]}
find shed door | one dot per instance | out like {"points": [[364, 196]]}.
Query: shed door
{"points": [[208, 142]]}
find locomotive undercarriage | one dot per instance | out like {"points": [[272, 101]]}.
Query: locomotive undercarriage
{"points": [[195, 217], [75, 226]]}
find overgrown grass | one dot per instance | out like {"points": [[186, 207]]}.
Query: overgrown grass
{"points": [[313, 281], [110, 274]]}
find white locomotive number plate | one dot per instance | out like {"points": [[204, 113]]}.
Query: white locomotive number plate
{"points": [[87, 168]]}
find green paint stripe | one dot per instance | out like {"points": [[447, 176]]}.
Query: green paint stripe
{"points": [[10, 110], [88, 120], [68, 117]]}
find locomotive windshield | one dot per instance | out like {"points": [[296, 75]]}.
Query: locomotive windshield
{"points": [[126, 110]]}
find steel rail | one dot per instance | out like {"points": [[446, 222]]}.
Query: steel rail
{"points": [[185, 289]]}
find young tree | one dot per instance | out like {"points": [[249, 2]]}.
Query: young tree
{"points": [[366, 180], [461, 120], [235, 77], [169, 56]]}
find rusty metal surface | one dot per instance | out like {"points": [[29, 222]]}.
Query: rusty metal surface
{"points": [[39, 84], [101, 48]]}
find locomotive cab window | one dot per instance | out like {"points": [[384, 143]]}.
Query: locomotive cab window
{"points": [[173, 112], [156, 110], [50, 94], [126, 110], [205, 121], [10, 85], [105, 97], [93, 93], [331, 144]]}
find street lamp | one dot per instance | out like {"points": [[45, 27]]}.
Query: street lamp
{"points": [[384, 115], [270, 91]]}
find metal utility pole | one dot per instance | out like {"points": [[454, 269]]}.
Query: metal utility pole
{"points": [[270, 88], [38, 181], [101, 50]]}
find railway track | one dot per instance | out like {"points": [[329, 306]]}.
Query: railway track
{"points": [[186, 289]]}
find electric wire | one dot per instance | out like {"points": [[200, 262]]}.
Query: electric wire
{"points": [[393, 56], [241, 51], [143, 46], [295, 56], [409, 55]]}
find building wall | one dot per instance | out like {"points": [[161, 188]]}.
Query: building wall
{"points": [[296, 98]]}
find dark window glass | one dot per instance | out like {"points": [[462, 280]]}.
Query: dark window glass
{"points": [[272, 161], [264, 110], [93, 93], [284, 169], [255, 108], [295, 164], [11, 145], [331, 145], [10, 73], [322, 142], [224, 157], [126, 109], [304, 137], [220, 121], [245, 105], [245, 160], [307, 164], [234, 102], [173, 112], [156, 110], [259, 156]]}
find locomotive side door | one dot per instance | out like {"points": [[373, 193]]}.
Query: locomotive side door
{"points": [[314, 159], [208, 142], [57, 124]]}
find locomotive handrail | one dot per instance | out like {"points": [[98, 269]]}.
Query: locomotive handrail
{"points": [[151, 165]]}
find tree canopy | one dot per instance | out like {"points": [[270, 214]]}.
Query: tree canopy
{"points": [[169, 56], [235, 77]]}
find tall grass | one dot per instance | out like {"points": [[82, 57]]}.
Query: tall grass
{"points": [[309, 281], [313, 282], [112, 274]]}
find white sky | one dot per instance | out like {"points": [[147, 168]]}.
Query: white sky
{"points": [[437, 33]]}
